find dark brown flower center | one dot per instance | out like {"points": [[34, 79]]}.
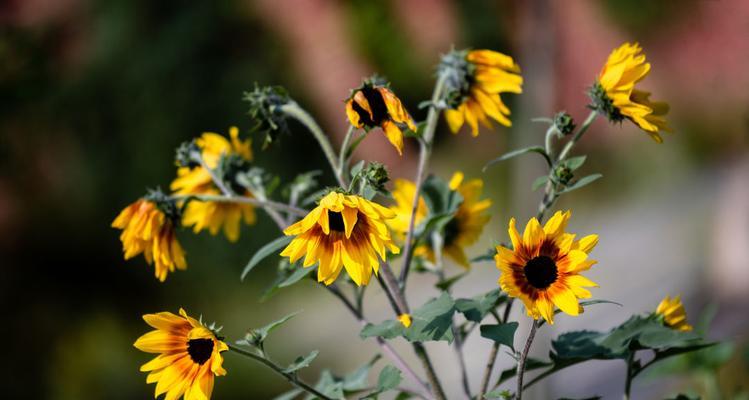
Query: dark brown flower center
{"points": [[335, 220], [376, 104], [200, 350], [452, 231], [541, 272]]}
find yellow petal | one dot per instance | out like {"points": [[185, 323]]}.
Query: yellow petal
{"points": [[394, 135]]}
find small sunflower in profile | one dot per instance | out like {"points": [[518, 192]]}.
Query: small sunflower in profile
{"points": [[374, 105], [615, 96], [193, 179], [475, 80], [343, 231], [148, 227], [189, 356], [544, 265], [673, 314], [465, 228], [403, 193]]}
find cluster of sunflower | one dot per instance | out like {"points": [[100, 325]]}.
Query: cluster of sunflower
{"points": [[217, 188]]}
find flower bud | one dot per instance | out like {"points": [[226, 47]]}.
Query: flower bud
{"points": [[564, 123], [563, 174], [376, 176], [265, 107]]}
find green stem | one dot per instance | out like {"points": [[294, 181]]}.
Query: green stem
{"points": [[523, 358], [584, 127], [291, 377], [244, 200], [630, 375], [425, 150], [293, 110], [343, 153]]}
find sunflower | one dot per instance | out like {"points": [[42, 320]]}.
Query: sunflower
{"points": [[403, 194], [342, 231], [543, 268], [464, 229], [189, 356], [475, 80], [195, 180], [374, 105], [615, 96], [148, 227], [673, 314]]}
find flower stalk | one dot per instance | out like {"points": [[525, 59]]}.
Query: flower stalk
{"points": [[523, 358], [291, 377]]}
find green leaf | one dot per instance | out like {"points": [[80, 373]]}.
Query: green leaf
{"points": [[574, 163], [357, 380], [501, 333], [329, 386], [430, 322], [499, 394], [258, 336], [533, 149], [538, 182], [531, 364], [475, 309], [357, 168], [265, 251], [447, 283], [291, 394], [389, 379], [301, 362], [296, 276], [581, 182], [439, 198], [584, 304]]}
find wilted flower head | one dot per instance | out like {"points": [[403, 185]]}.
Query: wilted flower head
{"points": [[148, 227], [265, 108], [372, 105]]}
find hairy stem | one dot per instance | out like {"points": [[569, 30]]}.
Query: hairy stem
{"points": [[244, 200], [630, 376], [425, 150], [523, 358], [293, 110], [584, 127], [493, 354], [291, 377], [342, 155]]}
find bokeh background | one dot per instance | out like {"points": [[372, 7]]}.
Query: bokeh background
{"points": [[95, 96]]}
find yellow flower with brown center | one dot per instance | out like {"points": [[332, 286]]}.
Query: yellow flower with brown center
{"points": [[148, 227], [475, 81], [343, 231], [543, 267], [189, 356], [673, 314], [374, 105], [196, 180], [615, 95], [465, 228], [403, 193]]}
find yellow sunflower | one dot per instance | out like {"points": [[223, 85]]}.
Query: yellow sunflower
{"points": [[615, 96], [197, 181], [543, 267], [189, 356], [476, 79], [673, 314], [403, 194], [374, 105], [148, 227], [342, 231], [465, 228]]}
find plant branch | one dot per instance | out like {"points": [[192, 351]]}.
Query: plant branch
{"points": [[244, 200], [425, 150], [493, 354], [584, 127], [291, 377], [342, 155], [293, 110]]}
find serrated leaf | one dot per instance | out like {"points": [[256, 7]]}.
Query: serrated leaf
{"points": [[584, 181], [430, 322], [329, 386], [533, 149], [265, 251], [538, 182], [301, 362], [501, 333], [574, 163], [475, 309], [358, 380]]}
